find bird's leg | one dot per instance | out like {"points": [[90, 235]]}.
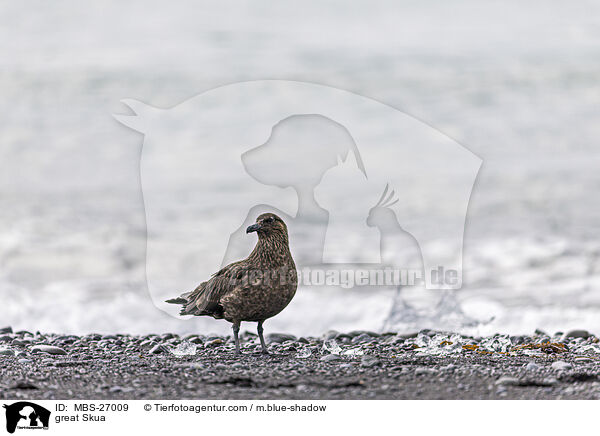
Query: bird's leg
{"points": [[236, 331], [262, 339]]}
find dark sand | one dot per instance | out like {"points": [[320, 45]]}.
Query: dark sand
{"points": [[142, 367]]}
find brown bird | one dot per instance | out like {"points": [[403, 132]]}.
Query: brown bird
{"points": [[253, 289]]}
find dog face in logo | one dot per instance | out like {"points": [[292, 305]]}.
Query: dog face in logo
{"points": [[311, 142]]}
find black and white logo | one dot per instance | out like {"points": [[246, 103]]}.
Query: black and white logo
{"points": [[26, 415]]}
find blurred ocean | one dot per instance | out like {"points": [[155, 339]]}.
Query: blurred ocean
{"points": [[517, 83]]}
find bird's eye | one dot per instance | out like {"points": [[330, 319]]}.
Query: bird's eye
{"points": [[269, 220]]}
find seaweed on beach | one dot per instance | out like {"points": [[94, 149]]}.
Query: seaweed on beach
{"points": [[545, 347]]}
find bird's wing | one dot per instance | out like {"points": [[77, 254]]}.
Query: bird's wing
{"points": [[206, 298]]}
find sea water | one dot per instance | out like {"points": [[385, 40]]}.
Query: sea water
{"points": [[518, 87]]}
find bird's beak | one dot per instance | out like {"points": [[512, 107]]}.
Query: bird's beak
{"points": [[253, 228]]}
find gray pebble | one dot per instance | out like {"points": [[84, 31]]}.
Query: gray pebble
{"points": [[361, 338], [511, 381], [532, 366], [330, 358], [148, 344], [192, 365], [425, 371], [119, 389], [24, 333], [407, 335], [578, 334], [65, 363], [569, 390], [50, 349], [24, 385], [6, 352], [279, 338], [561, 365], [158, 349], [364, 332], [20, 343], [518, 340], [369, 362]]}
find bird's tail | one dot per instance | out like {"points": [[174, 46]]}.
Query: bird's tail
{"points": [[187, 302], [177, 300], [182, 299]]}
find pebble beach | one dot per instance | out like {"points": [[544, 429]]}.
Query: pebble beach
{"points": [[353, 365]]}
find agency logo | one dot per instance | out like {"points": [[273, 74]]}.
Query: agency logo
{"points": [[371, 195], [26, 416]]}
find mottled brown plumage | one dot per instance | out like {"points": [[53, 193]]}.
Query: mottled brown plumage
{"points": [[253, 289]]}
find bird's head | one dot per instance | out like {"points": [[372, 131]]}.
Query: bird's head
{"points": [[382, 215], [268, 225]]}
